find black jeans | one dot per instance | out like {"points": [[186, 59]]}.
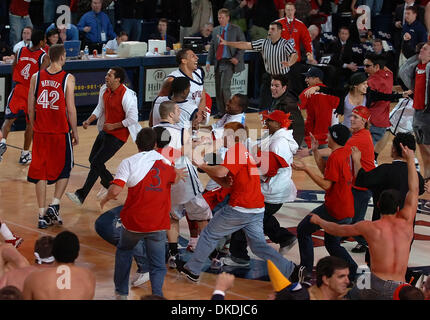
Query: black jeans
{"points": [[104, 148], [271, 227]]}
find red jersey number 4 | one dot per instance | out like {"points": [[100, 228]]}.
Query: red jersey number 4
{"points": [[46, 99], [25, 72]]}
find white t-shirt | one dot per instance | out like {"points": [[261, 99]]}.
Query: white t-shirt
{"points": [[112, 44]]}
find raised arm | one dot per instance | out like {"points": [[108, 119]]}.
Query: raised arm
{"points": [[409, 210], [239, 44]]}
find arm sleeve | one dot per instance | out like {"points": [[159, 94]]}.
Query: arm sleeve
{"points": [[123, 171], [129, 104], [373, 95], [82, 23], [100, 108], [369, 179], [257, 44]]}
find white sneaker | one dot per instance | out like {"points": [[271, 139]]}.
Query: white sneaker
{"points": [[139, 279], [74, 198], [25, 158], [102, 193]]}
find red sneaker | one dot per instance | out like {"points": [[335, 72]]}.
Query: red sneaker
{"points": [[16, 241]]}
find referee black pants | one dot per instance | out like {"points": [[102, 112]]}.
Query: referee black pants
{"points": [[104, 148], [271, 227]]}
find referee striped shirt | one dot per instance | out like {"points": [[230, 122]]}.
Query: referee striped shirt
{"points": [[273, 54]]}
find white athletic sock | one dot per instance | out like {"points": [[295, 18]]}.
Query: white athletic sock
{"points": [[5, 232], [24, 152], [3, 140], [41, 212], [55, 201]]}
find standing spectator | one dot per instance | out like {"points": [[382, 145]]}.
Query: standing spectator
{"points": [[52, 147], [415, 75], [26, 40], [96, 26], [332, 279], [112, 45], [280, 6], [131, 22], [149, 177], [18, 19], [278, 56], [319, 109], [162, 34], [226, 60], [387, 55], [117, 117], [285, 101], [413, 32], [297, 34], [338, 206]]}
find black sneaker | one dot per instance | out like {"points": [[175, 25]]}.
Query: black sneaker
{"points": [[44, 222], [359, 248], [53, 212], [285, 246], [299, 274], [191, 276]]}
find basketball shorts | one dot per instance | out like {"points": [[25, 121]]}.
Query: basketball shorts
{"points": [[52, 157], [17, 102], [197, 209]]}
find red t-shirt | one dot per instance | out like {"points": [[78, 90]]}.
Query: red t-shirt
{"points": [[114, 111], [28, 63], [381, 81], [298, 31], [148, 203], [339, 200], [246, 188], [279, 4], [319, 110], [363, 141], [420, 87], [50, 108]]}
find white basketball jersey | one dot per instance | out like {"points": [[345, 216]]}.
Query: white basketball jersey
{"points": [[196, 83]]}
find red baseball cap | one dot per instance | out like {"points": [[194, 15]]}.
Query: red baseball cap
{"points": [[362, 111], [278, 116]]}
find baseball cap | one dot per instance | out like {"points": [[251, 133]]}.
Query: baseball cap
{"points": [[314, 72], [362, 111], [339, 133], [278, 116]]}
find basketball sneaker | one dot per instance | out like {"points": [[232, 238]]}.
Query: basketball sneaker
{"points": [[74, 198], [191, 276], [172, 260], [234, 262], [16, 241], [44, 222], [3, 148], [25, 158], [53, 212]]}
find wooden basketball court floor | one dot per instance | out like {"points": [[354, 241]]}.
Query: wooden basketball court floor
{"points": [[18, 208]]}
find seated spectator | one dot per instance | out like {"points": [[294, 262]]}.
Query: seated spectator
{"points": [[112, 45], [80, 282], [342, 55], [10, 293], [53, 37], [314, 32], [26, 39], [332, 279], [162, 34], [206, 33], [44, 258], [67, 33], [413, 32], [96, 26]]}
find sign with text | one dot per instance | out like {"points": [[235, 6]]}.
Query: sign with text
{"points": [[155, 77]]}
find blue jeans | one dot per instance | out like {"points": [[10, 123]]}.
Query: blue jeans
{"points": [[108, 226], [133, 27], [17, 23], [377, 133], [332, 243], [155, 243], [226, 221], [361, 200]]}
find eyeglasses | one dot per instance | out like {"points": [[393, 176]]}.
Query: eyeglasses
{"points": [[368, 65]]}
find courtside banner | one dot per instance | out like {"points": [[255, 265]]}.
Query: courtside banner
{"points": [[154, 79]]}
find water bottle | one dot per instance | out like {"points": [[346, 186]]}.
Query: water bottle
{"points": [[104, 51], [86, 52]]}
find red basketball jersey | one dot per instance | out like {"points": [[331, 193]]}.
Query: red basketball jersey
{"points": [[50, 109], [28, 63]]}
